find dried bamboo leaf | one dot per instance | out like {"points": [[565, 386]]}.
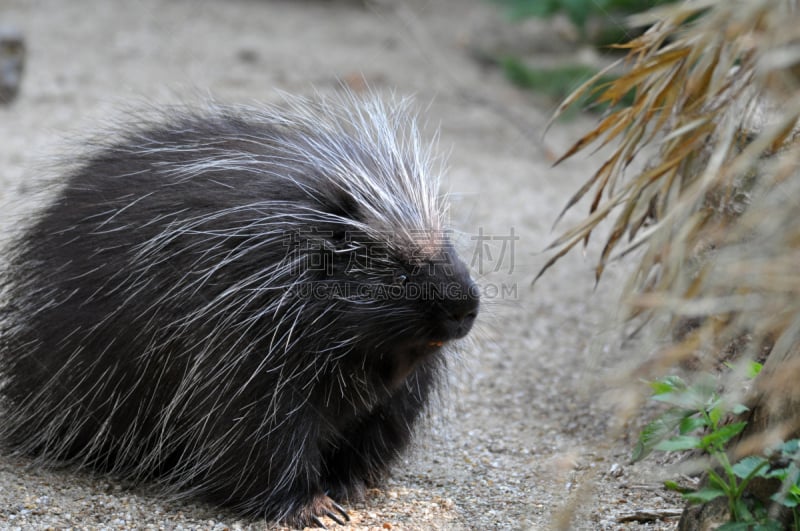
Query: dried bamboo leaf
{"points": [[616, 233], [601, 175], [647, 213], [699, 201], [579, 92], [564, 250], [591, 136], [700, 83], [577, 233], [631, 80], [686, 128], [677, 14], [622, 118], [661, 99]]}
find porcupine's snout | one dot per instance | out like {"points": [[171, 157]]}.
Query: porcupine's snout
{"points": [[461, 313], [455, 300], [457, 313]]}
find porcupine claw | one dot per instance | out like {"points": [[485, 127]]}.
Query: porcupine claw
{"points": [[331, 508], [327, 507], [341, 510], [318, 523], [335, 518]]}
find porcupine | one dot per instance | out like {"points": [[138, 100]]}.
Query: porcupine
{"points": [[250, 306]]}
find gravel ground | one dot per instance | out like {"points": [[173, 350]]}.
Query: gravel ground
{"points": [[521, 437]]}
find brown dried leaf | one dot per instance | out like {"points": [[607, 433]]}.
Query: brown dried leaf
{"points": [[578, 92]]}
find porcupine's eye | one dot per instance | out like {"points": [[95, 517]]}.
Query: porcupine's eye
{"points": [[400, 278]]}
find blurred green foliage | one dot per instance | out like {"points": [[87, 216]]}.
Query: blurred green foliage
{"points": [[559, 81], [578, 11]]}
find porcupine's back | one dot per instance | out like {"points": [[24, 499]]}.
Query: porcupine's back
{"points": [[159, 320]]}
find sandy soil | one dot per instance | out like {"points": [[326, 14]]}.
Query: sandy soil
{"points": [[521, 438]]}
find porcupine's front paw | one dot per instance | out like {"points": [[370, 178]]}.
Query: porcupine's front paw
{"points": [[319, 507]]}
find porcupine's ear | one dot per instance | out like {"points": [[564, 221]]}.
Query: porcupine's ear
{"points": [[347, 207], [344, 206]]}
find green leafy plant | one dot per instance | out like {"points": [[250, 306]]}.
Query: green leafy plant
{"points": [[784, 465], [699, 419]]}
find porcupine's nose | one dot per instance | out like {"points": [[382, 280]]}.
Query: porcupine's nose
{"points": [[462, 312]]}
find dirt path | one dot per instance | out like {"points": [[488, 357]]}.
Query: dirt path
{"points": [[521, 433]]}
